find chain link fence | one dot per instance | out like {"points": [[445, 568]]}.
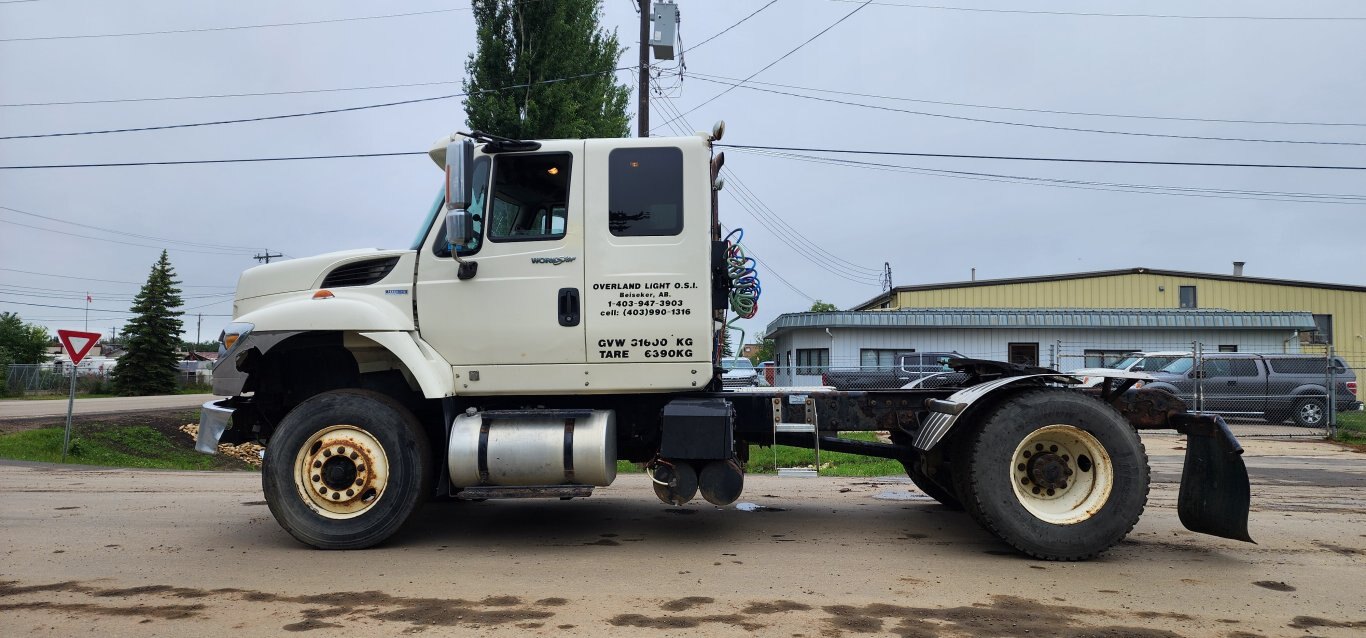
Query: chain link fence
{"points": [[42, 379], [1267, 393]]}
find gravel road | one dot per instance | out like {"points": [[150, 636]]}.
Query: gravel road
{"points": [[17, 409], [126, 552]]}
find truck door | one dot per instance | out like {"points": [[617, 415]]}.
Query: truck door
{"points": [[524, 303]]}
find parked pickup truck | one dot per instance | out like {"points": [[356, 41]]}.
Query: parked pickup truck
{"points": [[1272, 387], [909, 367]]}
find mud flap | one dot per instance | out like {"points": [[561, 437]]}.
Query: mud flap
{"points": [[1215, 492]]}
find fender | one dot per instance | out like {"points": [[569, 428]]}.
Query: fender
{"points": [[944, 413], [429, 369], [343, 313]]}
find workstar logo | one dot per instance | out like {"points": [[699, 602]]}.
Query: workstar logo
{"points": [[554, 261]]}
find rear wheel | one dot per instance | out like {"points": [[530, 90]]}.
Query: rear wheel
{"points": [[345, 469], [1056, 474]]}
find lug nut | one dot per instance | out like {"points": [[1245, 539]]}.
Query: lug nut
{"points": [[336, 496], [1052, 448], [350, 492], [1024, 481], [1026, 454], [316, 478], [360, 467], [327, 452], [1038, 447], [317, 464], [1020, 467], [1050, 491], [1036, 490], [1061, 485], [353, 456], [1067, 472], [323, 491], [341, 450], [360, 482]]}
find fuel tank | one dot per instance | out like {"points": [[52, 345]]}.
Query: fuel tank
{"points": [[533, 447]]}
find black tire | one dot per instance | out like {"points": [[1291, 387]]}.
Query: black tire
{"points": [[406, 454], [987, 470], [925, 484], [1310, 413]]}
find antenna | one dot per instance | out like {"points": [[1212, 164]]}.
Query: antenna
{"points": [[886, 276]]}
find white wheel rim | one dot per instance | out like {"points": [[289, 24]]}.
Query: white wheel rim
{"points": [[1061, 474], [1311, 412], [341, 471]]}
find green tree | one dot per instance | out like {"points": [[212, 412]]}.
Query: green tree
{"points": [[767, 351], [152, 337], [821, 306], [22, 342], [522, 43]]}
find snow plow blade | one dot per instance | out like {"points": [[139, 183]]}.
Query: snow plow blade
{"points": [[1215, 492]]}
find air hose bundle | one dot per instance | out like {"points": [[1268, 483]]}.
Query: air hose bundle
{"points": [[744, 279]]}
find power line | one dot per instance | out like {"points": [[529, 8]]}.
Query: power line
{"points": [[1024, 124], [233, 28], [126, 243], [725, 30], [1018, 158], [107, 281], [215, 161], [1101, 15], [362, 107], [772, 221], [780, 59], [227, 95], [704, 76], [43, 305], [124, 233], [1305, 198], [785, 234]]}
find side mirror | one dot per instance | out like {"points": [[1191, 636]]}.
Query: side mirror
{"points": [[459, 175], [459, 226]]}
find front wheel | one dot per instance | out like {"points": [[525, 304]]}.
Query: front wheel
{"points": [[345, 469], [1054, 473]]}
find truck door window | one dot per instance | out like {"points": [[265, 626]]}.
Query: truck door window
{"points": [[479, 196], [530, 197], [1242, 368], [645, 192]]}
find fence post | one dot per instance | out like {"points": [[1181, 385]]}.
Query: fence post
{"points": [[1332, 394], [1199, 370]]}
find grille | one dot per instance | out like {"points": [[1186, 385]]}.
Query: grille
{"points": [[360, 273]]}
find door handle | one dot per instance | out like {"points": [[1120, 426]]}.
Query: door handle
{"points": [[568, 307]]}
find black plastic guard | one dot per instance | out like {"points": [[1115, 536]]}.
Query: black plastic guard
{"points": [[1215, 491]]}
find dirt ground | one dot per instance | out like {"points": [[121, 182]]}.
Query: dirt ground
{"points": [[146, 553]]}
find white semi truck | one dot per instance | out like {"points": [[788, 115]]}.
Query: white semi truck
{"points": [[560, 310]]}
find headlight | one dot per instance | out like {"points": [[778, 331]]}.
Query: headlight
{"points": [[231, 335]]}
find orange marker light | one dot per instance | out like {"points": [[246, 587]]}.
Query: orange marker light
{"points": [[323, 294]]}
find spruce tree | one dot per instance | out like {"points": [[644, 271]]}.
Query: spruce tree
{"points": [[152, 337], [523, 43]]}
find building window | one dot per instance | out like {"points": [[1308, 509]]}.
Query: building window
{"points": [[1106, 358], [1188, 297], [1323, 333], [1228, 348], [1024, 353], [813, 360], [879, 357]]}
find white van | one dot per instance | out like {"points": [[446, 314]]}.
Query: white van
{"points": [[1135, 362]]}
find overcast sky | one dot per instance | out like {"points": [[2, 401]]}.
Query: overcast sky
{"points": [[930, 228]]}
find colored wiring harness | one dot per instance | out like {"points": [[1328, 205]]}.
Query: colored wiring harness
{"points": [[744, 279]]}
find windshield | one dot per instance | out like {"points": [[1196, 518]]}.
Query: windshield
{"points": [[1180, 366], [1127, 363], [737, 364], [431, 217]]}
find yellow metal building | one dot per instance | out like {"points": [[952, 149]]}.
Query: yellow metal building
{"points": [[1339, 310]]}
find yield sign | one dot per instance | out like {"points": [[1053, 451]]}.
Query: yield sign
{"points": [[77, 343]]}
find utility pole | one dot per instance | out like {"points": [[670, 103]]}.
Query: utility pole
{"points": [[198, 327], [266, 257], [643, 89]]}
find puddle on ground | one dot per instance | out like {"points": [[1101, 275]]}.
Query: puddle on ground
{"points": [[754, 507], [894, 495]]}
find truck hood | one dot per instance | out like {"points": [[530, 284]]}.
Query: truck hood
{"points": [[301, 274]]}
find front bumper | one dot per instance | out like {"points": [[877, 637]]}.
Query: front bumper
{"points": [[213, 421]]}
